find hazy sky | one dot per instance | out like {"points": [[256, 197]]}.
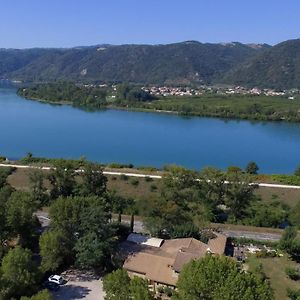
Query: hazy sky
{"points": [[66, 23]]}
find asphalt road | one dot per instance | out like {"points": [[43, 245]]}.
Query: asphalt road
{"points": [[139, 228]]}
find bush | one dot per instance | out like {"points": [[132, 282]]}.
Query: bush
{"points": [[149, 169], [120, 166], [264, 254], [114, 178], [4, 173], [123, 177], [297, 172], [292, 273], [293, 294], [168, 291], [2, 158], [135, 182], [148, 179], [153, 188]]}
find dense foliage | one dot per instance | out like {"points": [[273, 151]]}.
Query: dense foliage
{"points": [[290, 242], [216, 278], [86, 97], [277, 67], [118, 286], [174, 63], [229, 107], [209, 104]]}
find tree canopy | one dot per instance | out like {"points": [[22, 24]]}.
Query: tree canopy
{"points": [[216, 278]]}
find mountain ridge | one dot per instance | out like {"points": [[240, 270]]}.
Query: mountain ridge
{"points": [[182, 63]]}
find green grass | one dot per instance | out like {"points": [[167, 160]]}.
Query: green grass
{"points": [[286, 179], [274, 269]]}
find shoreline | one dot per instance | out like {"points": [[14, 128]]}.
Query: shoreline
{"points": [[153, 110]]}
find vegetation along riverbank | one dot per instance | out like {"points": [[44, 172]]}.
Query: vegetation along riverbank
{"points": [[209, 104]]}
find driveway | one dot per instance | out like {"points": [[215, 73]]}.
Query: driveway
{"points": [[80, 285]]}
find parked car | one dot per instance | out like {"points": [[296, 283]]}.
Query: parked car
{"points": [[56, 279], [52, 286]]}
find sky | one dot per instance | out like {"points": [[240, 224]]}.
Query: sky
{"points": [[68, 23]]}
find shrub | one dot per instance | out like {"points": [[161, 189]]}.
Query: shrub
{"points": [[292, 273], [135, 182], [148, 179], [149, 169], [293, 294], [153, 188], [123, 177], [120, 166], [168, 291]]}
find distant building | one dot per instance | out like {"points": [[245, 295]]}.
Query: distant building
{"points": [[161, 261]]}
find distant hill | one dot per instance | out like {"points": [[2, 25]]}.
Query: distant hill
{"points": [[179, 63], [277, 67]]}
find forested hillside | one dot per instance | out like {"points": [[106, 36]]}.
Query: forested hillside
{"points": [[278, 67], [180, 63], [183, 63]]}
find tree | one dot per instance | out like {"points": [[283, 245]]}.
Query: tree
{"points": [[4, 173], [19, 272], [287, 238], [5, 193], [38, 189], [116, 285], [179, 185], [290, 242], [119, 204], [95, 238], [84, 223], [42, 295], [93, 250], [19, 215], [213, 186], [297, 171], [219, 278], [234, 169], [294, 216], [55, 250], [252, 168], [93, 181], [139, 289], [74, 215], [62, 179], [164, 216], [239, 194]]}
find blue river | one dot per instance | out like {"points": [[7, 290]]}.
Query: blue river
{"points": [[143, 139]]}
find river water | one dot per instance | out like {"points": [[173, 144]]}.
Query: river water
{"points": [[143, 139]]}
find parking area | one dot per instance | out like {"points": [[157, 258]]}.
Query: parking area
{"points": [[80, 285]]}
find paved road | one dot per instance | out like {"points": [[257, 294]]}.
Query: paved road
{"points": [[272, 185], [139, 228]]}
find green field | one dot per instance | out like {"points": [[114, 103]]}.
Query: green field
{"points": [[274, 269]]}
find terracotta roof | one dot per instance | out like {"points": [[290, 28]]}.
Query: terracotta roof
{"points": [[218, 244], [159, 264], [183, 257], [154, 267], [174, 245]]}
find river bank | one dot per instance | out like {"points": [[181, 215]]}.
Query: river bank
{"points": [[144, 138]]}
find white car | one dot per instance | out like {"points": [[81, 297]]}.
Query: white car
{"points": [[56, 279]]}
